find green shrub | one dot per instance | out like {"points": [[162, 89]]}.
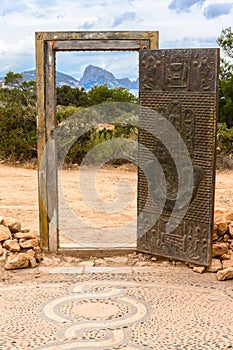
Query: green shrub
{"points": [[224, 140], [18, 139], [110, 149]]}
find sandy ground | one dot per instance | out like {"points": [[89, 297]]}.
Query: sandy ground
{"points": [[19, 195], [19, 198]]}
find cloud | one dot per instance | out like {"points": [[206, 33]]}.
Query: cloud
{"points": [[217, 10], [21, 19], [20, 55], [190, 42], [88, 25], [184, 5], [11, 7], [125, 17]]}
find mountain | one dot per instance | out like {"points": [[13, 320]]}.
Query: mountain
{"points": [[61, 78], [96, 76], [92, 76]]}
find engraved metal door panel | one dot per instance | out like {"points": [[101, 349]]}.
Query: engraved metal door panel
{"points": [[177, 141]]}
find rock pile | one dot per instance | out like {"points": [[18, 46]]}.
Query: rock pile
{"points": [[18, 247], [222, 249]]}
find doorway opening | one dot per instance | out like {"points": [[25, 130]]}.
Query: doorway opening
{"points": [[97, 182]]}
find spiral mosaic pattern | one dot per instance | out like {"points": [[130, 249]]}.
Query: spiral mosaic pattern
{"points": [[115, 312]]}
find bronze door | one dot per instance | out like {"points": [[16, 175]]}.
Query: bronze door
{"points": [[177, 141]]}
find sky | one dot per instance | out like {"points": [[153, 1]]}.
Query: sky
{"points": [[181, 24]]}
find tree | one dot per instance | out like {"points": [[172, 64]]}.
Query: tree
{"points": [[225, 114], [68, 96], [18, 118], [226, 101], [17, 125], [102, 93], [121, 94], [226, 69], [13, 80], [225, 41], [99, 94]]}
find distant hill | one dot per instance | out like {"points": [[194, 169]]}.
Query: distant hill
{"points": [[97, 76], [61, 78], [92, 76]]}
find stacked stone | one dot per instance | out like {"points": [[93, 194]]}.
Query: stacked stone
{"points": [[18, 247], [222, 250]]}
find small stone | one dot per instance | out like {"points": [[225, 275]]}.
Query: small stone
{"points": [[191, 265], [227, 263], [25, 230], [25, 235], [215, 266], [36, 253], [225, 274], [230, 227], [199, 269], [229, 215], [37, 249], [219, 249], [1, 219], [17, 261], [225, 257], [1, 250], [3, 256], [31, 243], [154, 258], [5, 233], [225, 238], [33, 262], [12, 245], [13, 224], [215, 233], [30, 252], [39, 257], [222, 226]]}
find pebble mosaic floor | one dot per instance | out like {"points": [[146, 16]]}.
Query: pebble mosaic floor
{"points": [[115, 311]]}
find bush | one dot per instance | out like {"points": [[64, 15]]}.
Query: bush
{"points": [[224, 140], [18, 125], [103, 142]]}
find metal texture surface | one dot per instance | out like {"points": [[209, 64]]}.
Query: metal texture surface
{"points": [[178, 87], [47, 43]]}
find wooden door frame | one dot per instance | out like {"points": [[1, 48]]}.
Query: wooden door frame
{"points": [[47, 44]]}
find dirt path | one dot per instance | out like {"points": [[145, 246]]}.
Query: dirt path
{"points": [[18, 195]]}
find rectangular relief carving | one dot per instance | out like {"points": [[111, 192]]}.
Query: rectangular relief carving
{"points": [[180, 70], [177, 131]]}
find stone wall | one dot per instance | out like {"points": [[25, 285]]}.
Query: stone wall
{"points": [[222, 250], [19, 248]]}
